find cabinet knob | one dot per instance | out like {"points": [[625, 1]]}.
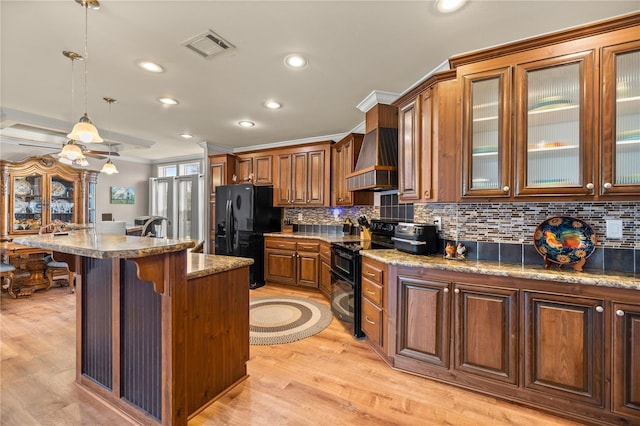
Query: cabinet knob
{"points": [[599, 308], [456, 291], [446, 290], [620, 313], [590, 185], [607, 185], [505, 188]]}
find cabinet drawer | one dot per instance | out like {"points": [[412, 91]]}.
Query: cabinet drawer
{"points": [[372, 273], [372, 291], [325, 252], [372, 321], [280, 244], [309, 246]]}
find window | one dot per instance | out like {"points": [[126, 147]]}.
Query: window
{"points": [[186, 168]]}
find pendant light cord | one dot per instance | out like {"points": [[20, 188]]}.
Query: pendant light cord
{"points": [[86, 54]]}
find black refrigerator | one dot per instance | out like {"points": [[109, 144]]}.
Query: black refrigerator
{"points": [[243, 214]]}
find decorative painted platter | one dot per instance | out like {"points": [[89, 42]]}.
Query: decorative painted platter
{"points": [[57, 189], [36, 206], [564, 240], [21, 187]]}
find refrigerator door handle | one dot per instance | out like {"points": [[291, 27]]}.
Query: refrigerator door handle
{"points": [[229, 235]]}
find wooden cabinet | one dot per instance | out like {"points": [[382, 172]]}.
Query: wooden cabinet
{"points": [[424, 328], [303, 176], [292, 261], [344, 155], [374, 305], [256, 168], [554, 116], [427, 138], [621, 125], [564, 346], [40, 190], [221, 171], [626, 358]]}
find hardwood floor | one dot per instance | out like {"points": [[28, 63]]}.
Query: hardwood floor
{"points": [[328, 379]]}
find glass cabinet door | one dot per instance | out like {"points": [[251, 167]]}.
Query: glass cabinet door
{"points": [[486, 134], [621, 119], [27, 203], [62, 201], [554, 127]]}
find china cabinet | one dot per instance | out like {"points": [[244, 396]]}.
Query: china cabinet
{"points": [[39, 191], [553, 116]]}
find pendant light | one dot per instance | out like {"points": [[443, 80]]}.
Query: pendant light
{"points": [[72, 153], [84, 130], [109, 168]]}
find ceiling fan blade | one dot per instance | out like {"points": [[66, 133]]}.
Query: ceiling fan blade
{"points": [[93, 154], [92, 151], [40, 146]]}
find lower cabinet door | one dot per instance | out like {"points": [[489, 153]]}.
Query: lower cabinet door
{"points": [[423, 327], [486, 336], [626, 359], [280, 266], [308, 269], [564, 346]]}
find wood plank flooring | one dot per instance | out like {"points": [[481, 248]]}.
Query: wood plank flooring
{"points": [[328, 379]]}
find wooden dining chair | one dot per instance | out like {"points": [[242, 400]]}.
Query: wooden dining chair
{"points": [[7, 274]]}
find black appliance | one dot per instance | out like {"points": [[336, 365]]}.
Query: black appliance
{"points": [[346, 304], [243, 214], [416, 238]]}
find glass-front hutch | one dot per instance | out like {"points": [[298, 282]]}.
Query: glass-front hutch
{"points": [[39, 191]]}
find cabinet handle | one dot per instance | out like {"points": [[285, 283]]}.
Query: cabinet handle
{"points": [[590, 185], [371, 274], [446, 290], [280, 245], [366, 318], [599, 308], [620, 313], [370, 292], [505, 188], [607, 185], [456, 291]]}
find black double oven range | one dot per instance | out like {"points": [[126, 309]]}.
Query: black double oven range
{"points": [[346, 262]]}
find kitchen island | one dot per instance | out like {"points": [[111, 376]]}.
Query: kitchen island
{"points": [[161, 333]]}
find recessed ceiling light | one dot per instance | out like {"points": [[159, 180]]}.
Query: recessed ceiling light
{"points": [[168, 101], [448, 6], [150, 66], [246, 123], [186, 135], [296, 61], [272, 104]]}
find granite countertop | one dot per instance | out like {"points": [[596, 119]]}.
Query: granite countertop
{"points": [[104, 246], [328, 238], [201, 265], [534, 272]]}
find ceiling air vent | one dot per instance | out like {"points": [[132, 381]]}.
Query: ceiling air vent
{"points": [[208, 44]]}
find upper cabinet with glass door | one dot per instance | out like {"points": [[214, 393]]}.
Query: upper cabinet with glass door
{"points": [[554, 125], [554, 116], [621, 119], [486, 133]]}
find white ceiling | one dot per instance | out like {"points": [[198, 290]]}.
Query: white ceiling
{"points": [[354, 47]]}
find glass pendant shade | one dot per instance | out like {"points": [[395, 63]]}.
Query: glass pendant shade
{"points": [[65, 161], [85, 131], [109, 168], [71, 152], [82, 162]]}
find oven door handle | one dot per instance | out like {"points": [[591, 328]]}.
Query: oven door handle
{"points": [[412, 242], [339, 277]]}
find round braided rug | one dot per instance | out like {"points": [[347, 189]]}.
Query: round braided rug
{"points": [[284, 319]]}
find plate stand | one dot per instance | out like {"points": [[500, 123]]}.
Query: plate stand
{"points": [[577, 266]]}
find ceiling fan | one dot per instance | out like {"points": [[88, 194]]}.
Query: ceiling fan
{"points": [[100, 155]]}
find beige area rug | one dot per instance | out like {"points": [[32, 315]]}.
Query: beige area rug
{"points": [[277, 320]]}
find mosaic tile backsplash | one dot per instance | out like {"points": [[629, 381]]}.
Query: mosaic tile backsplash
{"points": [[503, 231]]}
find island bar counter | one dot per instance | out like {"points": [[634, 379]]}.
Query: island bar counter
{"points": [[160, 333]]}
